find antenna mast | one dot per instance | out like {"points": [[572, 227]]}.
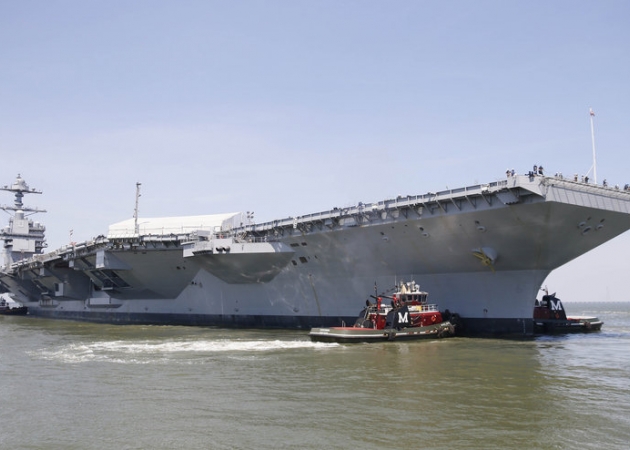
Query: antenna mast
{"points": [[135, 211], [592, 114], [20, 188]]}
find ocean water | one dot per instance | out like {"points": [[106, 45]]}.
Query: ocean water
{"points": [[74, 385]]}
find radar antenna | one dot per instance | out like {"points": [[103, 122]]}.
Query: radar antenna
{"points": [[20, 188]]}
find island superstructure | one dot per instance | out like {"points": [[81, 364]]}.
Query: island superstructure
{"points": [[22, 238], [483, 252]]}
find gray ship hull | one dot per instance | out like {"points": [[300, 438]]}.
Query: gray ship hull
{"points": [[482, 252]]}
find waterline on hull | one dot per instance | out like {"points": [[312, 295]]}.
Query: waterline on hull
{"points": [[469, 326]]}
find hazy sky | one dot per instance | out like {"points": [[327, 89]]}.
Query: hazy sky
{"points": [[292, 107]]}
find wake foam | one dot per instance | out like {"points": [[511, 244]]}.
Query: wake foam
{"points": [[156, 350]]}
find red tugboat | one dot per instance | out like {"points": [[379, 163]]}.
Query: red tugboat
{"points": [[408, 316], [550, 317]]}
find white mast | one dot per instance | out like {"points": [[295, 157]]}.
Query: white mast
{"points": [[592, 114], [135, 211]]}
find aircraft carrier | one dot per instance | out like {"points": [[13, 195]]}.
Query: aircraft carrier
{"points": [[481, 251]]}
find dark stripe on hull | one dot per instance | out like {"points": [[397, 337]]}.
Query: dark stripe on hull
{"points": [[467, 327], [496, 327], [217, 320]]}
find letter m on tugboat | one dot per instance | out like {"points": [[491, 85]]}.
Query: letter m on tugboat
{"points": [[403, 317], [555, 304]]}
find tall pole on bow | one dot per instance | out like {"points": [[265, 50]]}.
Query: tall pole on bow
{"points": [[592, 114]]}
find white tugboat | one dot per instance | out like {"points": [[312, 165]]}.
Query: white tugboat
{"points": [[10, 308]]}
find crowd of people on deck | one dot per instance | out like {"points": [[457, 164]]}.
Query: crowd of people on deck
{"points": [[538, 170]]}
